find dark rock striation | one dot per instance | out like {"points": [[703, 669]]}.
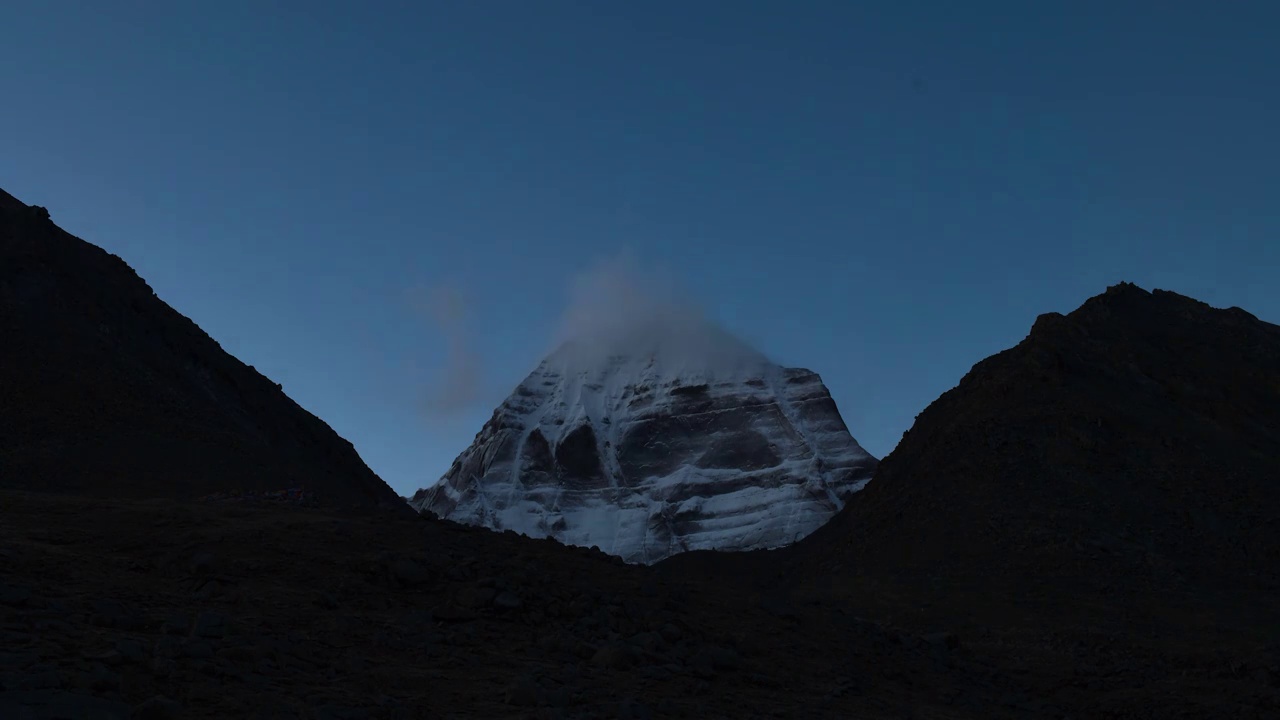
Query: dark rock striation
{"points": [[644, 457]]}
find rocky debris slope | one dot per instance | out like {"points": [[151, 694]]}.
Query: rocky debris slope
{"points": [[274, 611], [105, 388], [678, 445]]}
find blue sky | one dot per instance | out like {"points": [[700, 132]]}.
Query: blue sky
{"points": [[883, 194]]}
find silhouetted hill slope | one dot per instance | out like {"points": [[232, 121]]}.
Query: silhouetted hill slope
{"points": [[1126, 455], [105, 389], [1095, 511]]}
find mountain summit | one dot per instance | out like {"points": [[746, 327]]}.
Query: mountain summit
{"points": [[661, 436]]}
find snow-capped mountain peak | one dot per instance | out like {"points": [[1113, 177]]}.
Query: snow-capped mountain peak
{"points": [[657, 438]]}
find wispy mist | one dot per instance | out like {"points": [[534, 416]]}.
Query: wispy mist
{"points": [[456, 387], [616, 308], [620, 308]]}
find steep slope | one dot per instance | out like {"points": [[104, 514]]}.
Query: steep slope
{"points": [[678, 437], [1121, 465], [106, 389], [1092, 511]]}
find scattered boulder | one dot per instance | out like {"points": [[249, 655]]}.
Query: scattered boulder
{"points": [[210, 625], [507, 600], [202, 563], [177, 623], [132, 651], [632, 709], [13, 595], [475, 597], [524, 692], [157, 708], [409, 574], [615, 656], [943, 641], [197, 650], [454, 614], [337, 712], [113, 614]]}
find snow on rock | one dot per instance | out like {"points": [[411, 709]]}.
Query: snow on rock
{"points": [[655, 436]]}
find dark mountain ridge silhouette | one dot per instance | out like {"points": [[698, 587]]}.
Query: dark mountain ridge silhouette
{"points": [[105, 389], [1132, 445]]}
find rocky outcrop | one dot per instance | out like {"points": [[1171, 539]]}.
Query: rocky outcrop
{"points": [[106, 389], [643, 459]]}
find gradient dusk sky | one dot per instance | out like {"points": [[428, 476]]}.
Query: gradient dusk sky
{"points": [[369, 200]]}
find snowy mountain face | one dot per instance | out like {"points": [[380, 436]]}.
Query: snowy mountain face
{"points": [[669, 439]]}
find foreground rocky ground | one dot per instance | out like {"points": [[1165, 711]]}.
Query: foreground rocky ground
{"points": [[161, 609], [158, 609]]}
